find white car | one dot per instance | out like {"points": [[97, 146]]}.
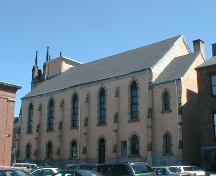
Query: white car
{"points": [[168, 171], [193, 170], [45, 172]]}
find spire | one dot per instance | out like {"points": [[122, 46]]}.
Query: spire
{"points": [[60, 53], [36, 58], [47, 54]]}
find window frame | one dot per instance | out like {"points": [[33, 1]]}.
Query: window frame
{"points": [[102, 107], [213, 86], [134, 101], [166, 101], [134, 143], [167, 143], [28, 151], [29, 129], [50, 115], [214, 124], [74, 111], [73, 149]]}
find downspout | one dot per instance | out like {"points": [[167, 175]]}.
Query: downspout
{"points": [[177, 118]]}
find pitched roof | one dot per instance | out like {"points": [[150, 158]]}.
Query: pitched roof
{"points": [[176, 69], [120, 64], [209, 62]]}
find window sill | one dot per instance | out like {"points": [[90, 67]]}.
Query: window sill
{"points": [[168, 111], [167, 154], [74, 128], [28, 132], [134, 156], [133, 120], [102, 124], [50, 130]]}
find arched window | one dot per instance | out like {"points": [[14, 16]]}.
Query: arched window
{"points": [[102, 107], [50, 118], [30, 118], [133, 101], [167, 143], [134, 145], [166, 102], [74, 113], [49, 150], [73, 149], [28, 151]]}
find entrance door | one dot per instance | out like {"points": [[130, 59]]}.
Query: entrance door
{"points": [[101, 151]]}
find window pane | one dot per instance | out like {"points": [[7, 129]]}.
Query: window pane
{"points": [[213, 79]]}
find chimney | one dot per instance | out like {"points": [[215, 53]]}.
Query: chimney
{"points": [[214, 49], [199, 46]]}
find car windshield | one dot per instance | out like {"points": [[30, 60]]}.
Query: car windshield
{"points": [[174, 169], [195, 168], [141, 168]]}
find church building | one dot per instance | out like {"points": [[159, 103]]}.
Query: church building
{"points": [[139, 105]]}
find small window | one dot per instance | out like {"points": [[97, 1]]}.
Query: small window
{"points": [[50, 118], [124, 148], [73, 149], [166, 102], [74, 118], [167, 143], [134, 145], [214, 121], [30, 119], [133, 101], [102, 107], [213, 84]]}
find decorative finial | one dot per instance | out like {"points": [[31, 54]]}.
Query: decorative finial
{"points": [[36, 58], [47, 54], [60, 53]]}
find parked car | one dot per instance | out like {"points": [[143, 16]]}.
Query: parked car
{"points": [[45, 172], [125, 169], [9, 172], [193, 170], [168, 171], [29, 167], [80, 166], [77, 173]]}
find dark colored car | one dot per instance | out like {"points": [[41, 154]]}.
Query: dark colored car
{"points": [[81, 166], [126, 169], [13, 173], [77, 173]]}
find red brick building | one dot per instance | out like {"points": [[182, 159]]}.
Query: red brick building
{"points": [[206, 75], [7, 102]]}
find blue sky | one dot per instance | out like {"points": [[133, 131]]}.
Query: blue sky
{"points": [[87, 30]]}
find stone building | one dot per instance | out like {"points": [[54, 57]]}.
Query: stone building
{"points": [[7, 102], [206, 75], [136, 105]]}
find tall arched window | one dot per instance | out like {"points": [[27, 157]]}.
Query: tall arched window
{"points": [[166, 102], [134, 145], [133, 101], [28, 151], [73, 149], [167, 143], [74, 113], [50, 118], [30, 118], [102, 107], [49, 150]]}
